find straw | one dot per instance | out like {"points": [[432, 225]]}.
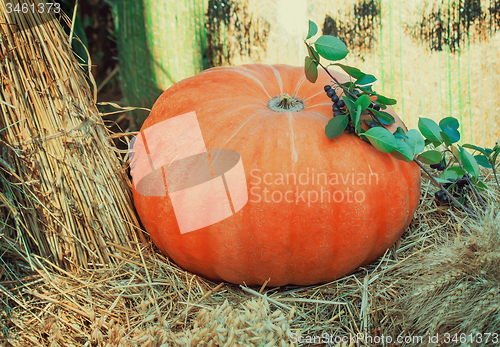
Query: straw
{"points": [[64, 193], [149, 301]]}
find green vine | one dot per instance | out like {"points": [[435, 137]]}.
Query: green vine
{"points": [[433, 144]]}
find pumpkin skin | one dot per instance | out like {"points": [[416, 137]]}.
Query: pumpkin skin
{"points": [[290, 243]]}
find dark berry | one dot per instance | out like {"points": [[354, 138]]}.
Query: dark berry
{"points": [[335, 98], [376, 107], [330, 93], [335, 108], [373, 125], [351, 130], [340, 103], [441, 196], [328, 87], [337, 113], [462, 182], [438, 166]]}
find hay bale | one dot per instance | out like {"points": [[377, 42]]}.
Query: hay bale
{"points": [[456, 287], [65, 197], [145, 300]]}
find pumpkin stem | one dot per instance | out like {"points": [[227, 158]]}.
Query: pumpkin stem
{"points": [[285, 103]]}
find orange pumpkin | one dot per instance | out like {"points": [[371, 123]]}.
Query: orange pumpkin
{"points": [[290, 239]]}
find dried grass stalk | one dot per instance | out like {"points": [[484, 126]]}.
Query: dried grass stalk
{"points": [[456, 287], [251, 325], [145, 300], [64, 194]]}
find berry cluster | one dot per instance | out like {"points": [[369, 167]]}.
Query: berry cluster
{"points": [[338, 104], [458, 188]]}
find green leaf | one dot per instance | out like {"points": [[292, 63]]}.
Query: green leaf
{"points": [[348, 84], [430, 130], [381, 139], [453, 134], [351, 71], [427, 142], [483, 161], [493, 155], [331, 48], [363, 101], [469, 162], [400, 134], [481, 186], [384, 117], [405, 150], [430, 157], [367, 89], [442, 180], [349, 102], [385, 100], [366, 79], [336, 126], [458, 170], [479, 149], [313, 29], [446, 138], [360, 105], [357, 119], [449, 122], [311, 70], [416, 141], [382, 106], [313, 54], [449, 175], [455, 151]]}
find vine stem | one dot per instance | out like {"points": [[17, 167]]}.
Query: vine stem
{"points": [[495, 173], [346, 91], [444, 189], [468, 180]]}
